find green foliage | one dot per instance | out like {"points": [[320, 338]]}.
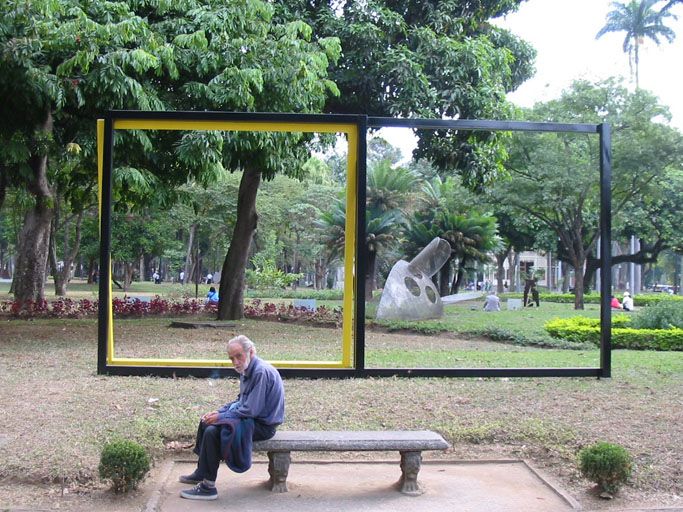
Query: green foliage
{"points": [[267, 275], [426, 59], [664, 315], [125, 463], [553, 176], [587, 330], [493, 333], [608, 465], [301, 293], [446, 211]]}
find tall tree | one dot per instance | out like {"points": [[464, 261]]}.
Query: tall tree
{"points": [[64, 62], [388, 202], [639, 20], [61, 62], [554, 177]]}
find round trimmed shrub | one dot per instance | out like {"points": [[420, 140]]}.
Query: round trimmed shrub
{"points": [[608, 465], [125, 463]]}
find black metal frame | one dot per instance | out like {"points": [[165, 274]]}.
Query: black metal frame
{"points": [[363, 123]]}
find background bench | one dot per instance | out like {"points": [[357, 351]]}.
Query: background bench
{"points": [[410, 444]]}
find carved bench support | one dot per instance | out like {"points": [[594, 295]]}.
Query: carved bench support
{"points": [[410, 467], [278, 469]]}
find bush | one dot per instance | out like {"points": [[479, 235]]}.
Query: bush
{"points": [[663, 315], [582, 330], [608, 465], [125, 463], [299, 293]]}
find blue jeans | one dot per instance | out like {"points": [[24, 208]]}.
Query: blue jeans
{"points": [[208, 447]]}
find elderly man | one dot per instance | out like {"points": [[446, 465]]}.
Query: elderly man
{"points": [[227, 433]]}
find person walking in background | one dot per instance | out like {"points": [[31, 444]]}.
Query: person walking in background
{"points": [[534, 296]]}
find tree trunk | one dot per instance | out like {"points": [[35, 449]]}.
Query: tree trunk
{"points": [[444, 275], [319, 274], [128, 271], [370, 274], [500, 269], [188, 253], [578, 283], [637, 45], [34, 239], [3, 184], [60, 289], [457, 279], [91, 270], [231, 292], [62, 276]]}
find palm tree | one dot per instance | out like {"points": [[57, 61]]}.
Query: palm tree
{"points": [[389, 194], [671, 4], [382, 231], [639, 20], [471, 233]]}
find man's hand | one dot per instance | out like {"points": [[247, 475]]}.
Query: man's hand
{"points": [[210, 418]]}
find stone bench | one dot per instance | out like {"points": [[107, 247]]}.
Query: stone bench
{"points": [[410, 444]]}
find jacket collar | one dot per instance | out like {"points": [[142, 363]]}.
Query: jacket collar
{"points": [[253, 363]]}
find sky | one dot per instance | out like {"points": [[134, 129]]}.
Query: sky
{"points": [[563, 33]]}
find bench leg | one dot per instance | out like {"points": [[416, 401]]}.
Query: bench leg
{"points": [[410, 467], [278, 469]]}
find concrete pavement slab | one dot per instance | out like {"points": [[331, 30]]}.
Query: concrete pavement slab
{"points": [[342, 486]]}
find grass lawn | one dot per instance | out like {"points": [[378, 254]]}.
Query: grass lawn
{"points": [[47, 372]]}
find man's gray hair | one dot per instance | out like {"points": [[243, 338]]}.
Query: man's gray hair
{"points": [[244, 342]]}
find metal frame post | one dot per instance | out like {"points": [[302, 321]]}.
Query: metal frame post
{"points": [[605, 250]]}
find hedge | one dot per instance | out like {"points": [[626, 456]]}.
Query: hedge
{"points": [[299, 293], [639, 300], [582, 329]]}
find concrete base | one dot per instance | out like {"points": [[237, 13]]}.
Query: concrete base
{"points": [[503, 486]]}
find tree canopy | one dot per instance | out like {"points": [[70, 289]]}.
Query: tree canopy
{"points": [[554, 177]]}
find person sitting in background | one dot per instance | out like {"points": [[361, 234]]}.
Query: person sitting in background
{"points": [[627, 302], [212, 296], [614, 302], [492, 302]]}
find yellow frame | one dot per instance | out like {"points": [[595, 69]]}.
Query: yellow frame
{"points": [[351, 130]]}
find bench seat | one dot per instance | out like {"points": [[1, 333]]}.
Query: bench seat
{"points": [[410, 444]]}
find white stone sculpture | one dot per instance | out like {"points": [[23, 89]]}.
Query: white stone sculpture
{"points": [[409, 293]]}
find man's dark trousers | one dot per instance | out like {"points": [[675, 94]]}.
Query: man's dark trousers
{"points": [[208, 447]]}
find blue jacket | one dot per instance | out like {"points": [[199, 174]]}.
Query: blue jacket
{"points": [[262, 396]]}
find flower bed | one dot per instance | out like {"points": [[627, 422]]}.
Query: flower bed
{"points": [[134, 307]]}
